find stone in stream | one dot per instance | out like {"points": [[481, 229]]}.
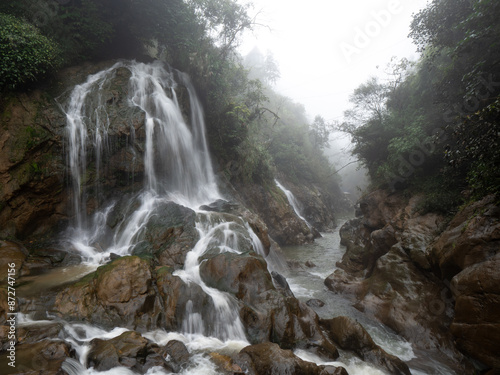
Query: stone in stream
{"points": [[135, 352], [350, 335], [178, 354], [282, 284], [225, 364], [315, 303], [269, 359], [310, 264]]}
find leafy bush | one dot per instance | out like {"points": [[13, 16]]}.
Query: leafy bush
{"points": [[27, 55]]}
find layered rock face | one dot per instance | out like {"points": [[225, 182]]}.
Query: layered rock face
{"points": [[468, 254], [432, 282]]}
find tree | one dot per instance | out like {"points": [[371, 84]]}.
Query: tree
{"points": [[320, 132]]}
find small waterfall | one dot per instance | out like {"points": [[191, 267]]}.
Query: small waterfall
{"points": [[215, 233], [293, 202]]}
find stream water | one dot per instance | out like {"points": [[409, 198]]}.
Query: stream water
{"points": [[178, 169]]}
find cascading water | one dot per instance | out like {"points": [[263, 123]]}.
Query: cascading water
{"points": [[177, 168], [293, 202], [177, 165]]}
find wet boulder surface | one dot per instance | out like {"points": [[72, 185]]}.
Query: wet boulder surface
{"points": [[430, 280]]}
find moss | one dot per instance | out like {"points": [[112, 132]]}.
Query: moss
{"points": [[85, 280], [164, 271]]}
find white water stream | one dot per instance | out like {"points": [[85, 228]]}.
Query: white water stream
{"points": [[177, 168], [293, 202]]}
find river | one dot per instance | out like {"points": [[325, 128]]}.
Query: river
{"points": [[308, 283]]}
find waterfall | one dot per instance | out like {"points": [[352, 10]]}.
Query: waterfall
{"points": [[177, 164], [293, 202], [177, 168]]}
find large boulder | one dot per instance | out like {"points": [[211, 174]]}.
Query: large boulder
{"points": [[117, 294], [270, 359], [267, 314], [473, 236], [135, 352], [169, 235], [350, 335]]}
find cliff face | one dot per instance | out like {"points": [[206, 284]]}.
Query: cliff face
{"points": [[431, 281], [32, 167]]}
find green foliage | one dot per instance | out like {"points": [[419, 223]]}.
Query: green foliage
{"points": [[434, 126], [27, 55], [474, 150]]}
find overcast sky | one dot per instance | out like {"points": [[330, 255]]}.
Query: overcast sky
{"points": [[327, 48]]}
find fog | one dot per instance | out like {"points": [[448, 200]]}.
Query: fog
{"points": [[327, 48]]}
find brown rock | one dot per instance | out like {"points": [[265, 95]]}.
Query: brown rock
{"points": [[476, 325], [126, 350], [117, 294], [473, 236], [44, 357], [269, 359], [225, 364], [351, 335], [14, 254]]}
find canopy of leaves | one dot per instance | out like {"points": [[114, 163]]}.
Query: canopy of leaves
{"points": [[433, 127]]}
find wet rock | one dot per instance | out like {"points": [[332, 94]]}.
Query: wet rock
{"points": [[387, 272], [267, 314], [309, 264], [237, 210], [269, 359], [125, 350], [169, 235], [129, 350], [379, 208], [117, 294], [44, 357], [272, 206], [38, 332], [42, 259], [31, 165], [176, 298], [350, 335], [319, 206], [472, 237], [178, 355], [281, 284], [315, 303], [355, 237], [242, 275], [11, 253], [225, 364], [476, 325]]}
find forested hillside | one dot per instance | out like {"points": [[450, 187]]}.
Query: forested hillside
{"points": [[433, 126]]}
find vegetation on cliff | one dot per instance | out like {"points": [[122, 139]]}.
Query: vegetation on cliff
{"points": [[434, 126]]}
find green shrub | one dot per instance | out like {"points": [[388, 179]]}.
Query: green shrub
{"points": [[26, 54]]}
